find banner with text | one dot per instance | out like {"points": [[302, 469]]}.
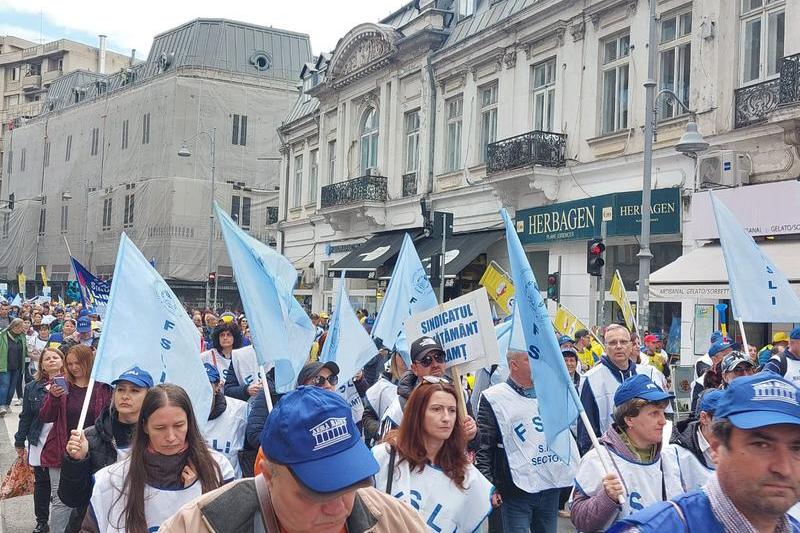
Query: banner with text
{"points": [[463, 327]]}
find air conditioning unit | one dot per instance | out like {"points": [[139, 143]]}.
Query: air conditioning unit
{"points": [[725, 168]]}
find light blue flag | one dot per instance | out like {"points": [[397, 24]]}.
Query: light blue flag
{"points": [[409, 292], [17, 300], [147, 326], [281, 330], [348, 344], [759, 290], [558, 401]]}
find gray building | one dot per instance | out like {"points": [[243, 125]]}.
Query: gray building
{"points": [[102, 157]]}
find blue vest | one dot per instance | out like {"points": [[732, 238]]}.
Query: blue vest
{"points": [[663, 517]]}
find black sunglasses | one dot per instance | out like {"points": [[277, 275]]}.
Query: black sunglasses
{"points": [[319, 381], [428, 360]]}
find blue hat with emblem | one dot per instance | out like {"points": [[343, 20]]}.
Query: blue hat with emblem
{"points": [[709, 401], [211, 372], [137, 376], [640, 386], [763, 399], [716, 337], [795, 334], [84, 324], [311, 431], [563, 339], [718, 347]]}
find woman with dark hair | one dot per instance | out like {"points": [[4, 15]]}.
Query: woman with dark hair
{"points": [[169, 465], [244, 328], [34, 431], [225, 338], [423, 462], [62, 407]]}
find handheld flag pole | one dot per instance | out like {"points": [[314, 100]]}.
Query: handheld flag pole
{"points": [[85, 406], [265, 387]]}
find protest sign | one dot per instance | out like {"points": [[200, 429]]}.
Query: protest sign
{"points": [[463, 327]]}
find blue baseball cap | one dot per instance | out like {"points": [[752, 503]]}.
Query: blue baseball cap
{"points": [[763, 399], [795, 334], [311, 432], [718, 347], [212, 373], [716, 337], [137, 376], [563, 339], [709, 401], [84, 324], [640, 386]]}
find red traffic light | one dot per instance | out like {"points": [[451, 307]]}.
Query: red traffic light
{"points": [[552, 279], [597, 248]]}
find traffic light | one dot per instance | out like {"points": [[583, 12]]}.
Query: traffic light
{"points": [[553, 286], [11, 200], [595, 249], [212, 277]]}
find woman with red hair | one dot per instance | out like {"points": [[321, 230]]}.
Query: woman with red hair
{"points": [[423, 463]]}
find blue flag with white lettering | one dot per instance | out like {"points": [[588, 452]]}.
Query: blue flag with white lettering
{"points": [[348, 344], [94, 291], [759, 290], [409, 292], [558, 401], [281, 330], [147, 326]]}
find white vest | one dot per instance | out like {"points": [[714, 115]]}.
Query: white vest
{"points": [[350, 394], [225, 433], [108, 507], [642, 482], [534, 467], [443, 506], [683, 472], [35, 450], [603, 385], [393, 417], [218, 361], [381, 395], [792, 369]]}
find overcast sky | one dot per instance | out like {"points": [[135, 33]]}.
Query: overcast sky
{"points": [[133, 24]]}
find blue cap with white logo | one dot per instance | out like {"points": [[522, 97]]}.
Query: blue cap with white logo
{"points": [[311, 432], [709, 401], [563, 339], [764, 399], [795, 334], [718, 347], [137, 376], [639, 386], [84, 324]]}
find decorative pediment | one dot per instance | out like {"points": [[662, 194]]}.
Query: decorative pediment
{"points": [[365, 49]]}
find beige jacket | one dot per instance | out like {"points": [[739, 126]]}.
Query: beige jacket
{"points": [[233, 507]]}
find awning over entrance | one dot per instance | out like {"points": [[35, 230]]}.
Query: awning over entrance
{"points": [[461, 249], [702, 274], [364, 261]]}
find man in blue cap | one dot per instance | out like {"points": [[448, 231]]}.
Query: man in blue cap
{"points": [[225, 429], [717, 352], [787, 362], [631, 449], [105, 443], [756, 442], [317, 477]]}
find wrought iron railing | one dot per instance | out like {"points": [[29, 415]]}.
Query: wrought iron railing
{"points": [[789, 90], [532, 148], [409, 184], [272, 215], [365, 188], [755, 102]]}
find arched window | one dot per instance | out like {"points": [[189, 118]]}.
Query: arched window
{"points": [[369, 141]]}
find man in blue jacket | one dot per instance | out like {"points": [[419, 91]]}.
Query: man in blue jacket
{"points": [[757, 448]]}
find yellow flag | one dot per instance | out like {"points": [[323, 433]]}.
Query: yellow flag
{"points": [[619, 295], [21, 279], [566, 323], [44, 277], [499, 286]]}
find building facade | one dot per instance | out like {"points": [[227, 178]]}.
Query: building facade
{"points": [[103, 156], [538, 107]]}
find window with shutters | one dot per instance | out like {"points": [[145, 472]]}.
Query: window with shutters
{"points": [[239, 135], [127, 218]]}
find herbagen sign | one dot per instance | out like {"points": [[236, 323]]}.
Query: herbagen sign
{"points": [[580, 219]]}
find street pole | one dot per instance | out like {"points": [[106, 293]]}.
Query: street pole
{"points": [[601, 302], [211, 216], [645, 255], [444, 262]]}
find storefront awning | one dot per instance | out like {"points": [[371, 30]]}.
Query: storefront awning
{"points": [[364, 261], [461, 249], [702, 274]]}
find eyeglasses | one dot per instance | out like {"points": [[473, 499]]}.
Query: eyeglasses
{"points": [[435, 380], [618, 343], [428, 360], [319, 381]]}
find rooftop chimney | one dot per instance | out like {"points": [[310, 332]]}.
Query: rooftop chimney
{"points": [[101, 56], [133, 57]]}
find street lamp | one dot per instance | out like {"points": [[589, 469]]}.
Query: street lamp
{"points": [[185, 152], [690, 143]]}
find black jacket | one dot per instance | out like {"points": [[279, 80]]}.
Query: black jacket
{"points": [[77, 477], [257, 416], [30, 427], [491, 457], [686, 437]]}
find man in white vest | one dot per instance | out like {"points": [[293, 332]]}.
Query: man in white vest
{"points": [[225, 429], [514, 456], [787, 362], [599, 384]]}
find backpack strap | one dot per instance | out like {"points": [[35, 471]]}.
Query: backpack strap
{"points": [[265, 504]]}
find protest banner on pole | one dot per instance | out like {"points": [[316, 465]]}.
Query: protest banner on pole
{"points": [[463, 327], [499, 286]]}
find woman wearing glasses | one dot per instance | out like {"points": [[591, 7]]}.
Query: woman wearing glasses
{"points": [[423, 462]]}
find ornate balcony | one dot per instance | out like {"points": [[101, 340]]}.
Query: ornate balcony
{"points": [[272, 215], [533, 148], [409, 184], [363, 189], [755, 102], [789, 90]]}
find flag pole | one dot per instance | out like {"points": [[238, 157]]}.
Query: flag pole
{"points": [[85, 407], [265, 387], [744, 337], [67, 245]]}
